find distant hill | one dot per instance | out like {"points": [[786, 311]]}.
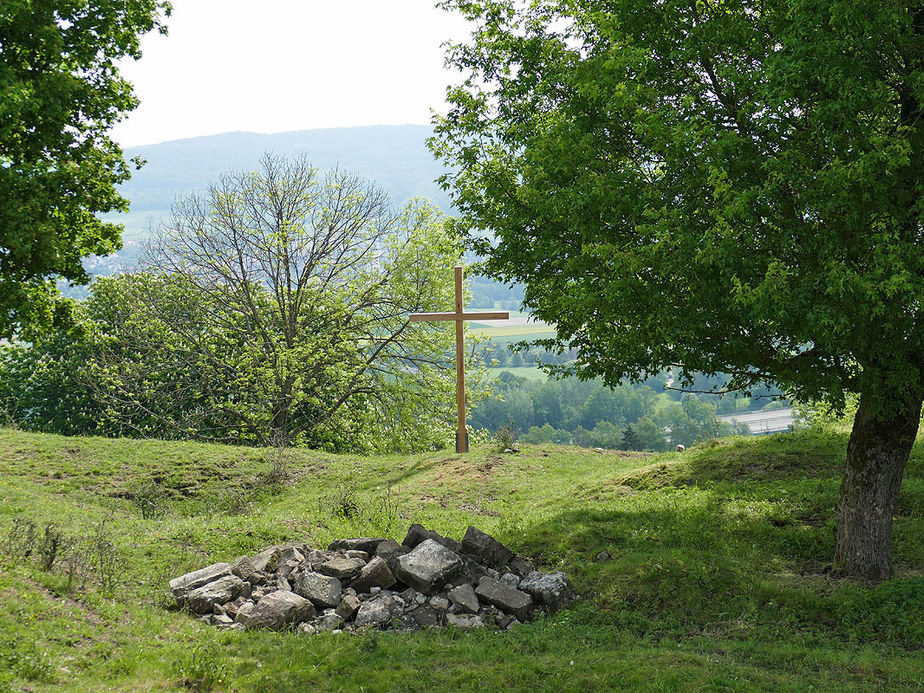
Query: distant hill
{"points": [[394, 157]]}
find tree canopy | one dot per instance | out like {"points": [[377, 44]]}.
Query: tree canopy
{"points": [[60, 93], [713, 186]]}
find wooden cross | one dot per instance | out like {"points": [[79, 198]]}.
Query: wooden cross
{"points": [[459, 316]]}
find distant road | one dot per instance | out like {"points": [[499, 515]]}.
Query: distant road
{"points": [[760, 422]]}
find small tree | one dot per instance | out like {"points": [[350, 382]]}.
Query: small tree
{"points": [[280, 300], [630, 439]]}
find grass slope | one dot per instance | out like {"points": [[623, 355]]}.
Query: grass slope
{"points": [[717, 577]]}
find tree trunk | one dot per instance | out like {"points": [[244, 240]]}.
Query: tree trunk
{"points": [[879, 446]]}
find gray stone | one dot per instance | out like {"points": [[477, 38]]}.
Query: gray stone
{"points": [[183, 585], [243, 612], [416, 534], [510, 580], [375, 612], [328, 622], [222, 620], [267, 560], [374, 590], [258, 578], [288, 568], [243, 567], [374, 574], [504, 620], [551, 591], [427, 566], [465, 598], [390, 551], [439, 602], [322, 590], [342, 567], [348, 606], [504, 598], [306, 629], [464, 621], [486, 548], [219, 591], [283, 584], [425, 616], [367, 544], [355, 553], [246, 590], [291, 553], [279, 609], [520, 566]]}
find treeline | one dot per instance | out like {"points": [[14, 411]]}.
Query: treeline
{"points": [[587, 413]]}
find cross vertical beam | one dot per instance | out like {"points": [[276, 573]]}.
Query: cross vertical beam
{"points": [[460, 316], [461, 430]]}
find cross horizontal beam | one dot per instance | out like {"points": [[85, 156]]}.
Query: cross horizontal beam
{"points": [[494, 315]]}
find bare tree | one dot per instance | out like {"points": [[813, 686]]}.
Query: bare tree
{"points": [[291, 308]]}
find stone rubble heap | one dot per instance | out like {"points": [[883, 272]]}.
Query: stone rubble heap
{"points": [[426, 581]]}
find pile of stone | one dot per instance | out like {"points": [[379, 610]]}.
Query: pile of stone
{"points": [[426, 581]]}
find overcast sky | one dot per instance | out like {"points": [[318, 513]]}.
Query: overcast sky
{"points": [[280, 65]]}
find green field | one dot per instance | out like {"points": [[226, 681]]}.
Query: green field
{"points": [[516, 333], [717, 578]]}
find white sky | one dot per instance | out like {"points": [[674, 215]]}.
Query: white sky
{"points": [[280, 65]]}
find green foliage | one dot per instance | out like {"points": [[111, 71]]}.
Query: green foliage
{"points": [[202, 668], [274, 310], [60, 92], [505, 437], [591, 414], [721, 187]]}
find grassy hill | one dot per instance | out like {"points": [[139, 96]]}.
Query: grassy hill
{"points": [[717, 576]]}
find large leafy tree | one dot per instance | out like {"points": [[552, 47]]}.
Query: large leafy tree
{"points": [[60, 93], [717, 186]]}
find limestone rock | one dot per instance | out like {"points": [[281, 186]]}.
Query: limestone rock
{"points": [[348, 606], [267, 560], [243, 567], [465, 598], [224, 589], [367, 544], [321, 590], [374, 574], [520, 566], [425, 616], [504, 598], [416, 534], [486, 548], [390, 550], [183, 585], [342, 567], [464, 621], [510, 580], [243, 612], [376, 612], [550, 590], [278, 609], [327, 623], [427, 566]]}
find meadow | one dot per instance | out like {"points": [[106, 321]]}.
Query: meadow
{"points": [[708, 570]]}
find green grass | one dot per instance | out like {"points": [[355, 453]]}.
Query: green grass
{"points": [[717, 578]]}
